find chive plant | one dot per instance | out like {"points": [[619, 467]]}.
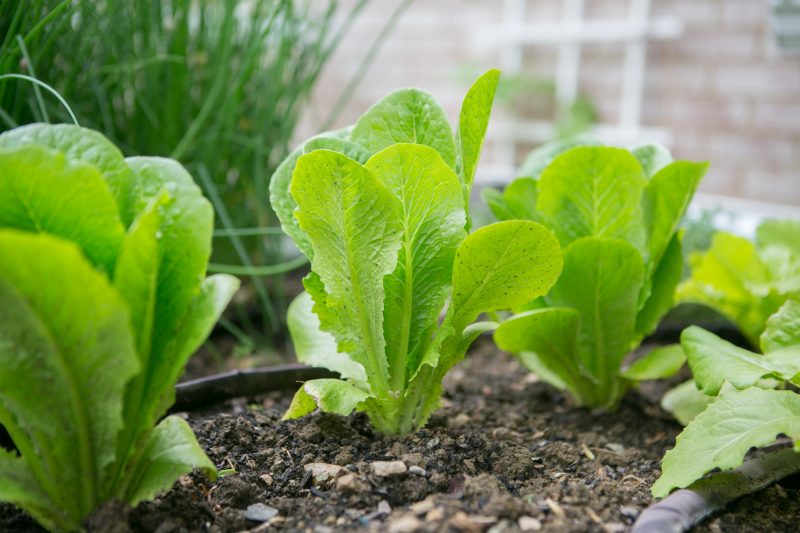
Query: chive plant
{"points": [[217, 84]]}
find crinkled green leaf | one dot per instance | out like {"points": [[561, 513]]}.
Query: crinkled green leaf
{"points": [[330, 395], [665, 201], [724, 278], [601, 280], [720, 436], [355, 228], [43, 191], [170, 452], [19, 486], [279, 196], [593, 192], [196, 323], [136, 274], [406, 116], [652, 156], [502, 266], [315, 347], [715, 361], [65, 367], [433, 220], [81, 145], [472, 123], [540, 158], [685, 401], [546, 341], [665, 279], [783, 328], [658, 363]]}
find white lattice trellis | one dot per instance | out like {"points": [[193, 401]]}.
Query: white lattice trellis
{"points": [[568, 35]]}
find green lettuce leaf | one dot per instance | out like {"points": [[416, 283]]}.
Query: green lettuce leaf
{"points": [[354, 225], [65, 414], [406, 116], [783, 328], [472, 123], [720, 436], [601, 280], [83, 146], [593, 192], [433, 222], [31, 200]]}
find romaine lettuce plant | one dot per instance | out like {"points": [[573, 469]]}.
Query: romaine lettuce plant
{"points": [[744, 281], [103, 297], [380, 209], [750, 402], [616, 214]]}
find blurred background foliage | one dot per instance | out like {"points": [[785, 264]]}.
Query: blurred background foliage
{"points": [[217, 84]]}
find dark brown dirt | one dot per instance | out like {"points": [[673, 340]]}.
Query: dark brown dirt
{"points": [[504, 453]]}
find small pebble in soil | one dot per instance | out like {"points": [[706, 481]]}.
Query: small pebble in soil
{"points": [[417, 471], [405, 524], [388, 468], [351, 484], [529, 523], [323, 472], [258, 512], [629, 512]]}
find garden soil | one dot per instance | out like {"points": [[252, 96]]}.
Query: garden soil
{"points": [[504, 453]]}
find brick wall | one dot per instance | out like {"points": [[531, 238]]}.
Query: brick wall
{"points": [[723, 90]]}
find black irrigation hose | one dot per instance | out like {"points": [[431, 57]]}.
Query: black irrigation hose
{"points": [[205, 391], [685, 508]]}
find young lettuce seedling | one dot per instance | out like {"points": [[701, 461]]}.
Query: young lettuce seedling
{"points": [[380, 209], [103, 297], [616, 214], [750, 404]]}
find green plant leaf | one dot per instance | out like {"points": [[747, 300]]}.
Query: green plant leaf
{"points": [[665, 279], [406, 116], [433, 221], [593, 192], [540, 158], [715, 361], [472, 123], [546, 341], [65, 415], [497, 204], [665, 201], [601, 280], [685, 402], [35, 183], [652, 156], [785, 233], [330, 395], [82, 145], [19, 486], [722, 278], [315, 347], [354, 225], [783, 328], [193, 329], [279, 195], [658, 363], [720, 436], [520, 197], [170, 452], [502, 266]]}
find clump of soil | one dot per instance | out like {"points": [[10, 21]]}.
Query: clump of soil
{"points": [[504, 453]]}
